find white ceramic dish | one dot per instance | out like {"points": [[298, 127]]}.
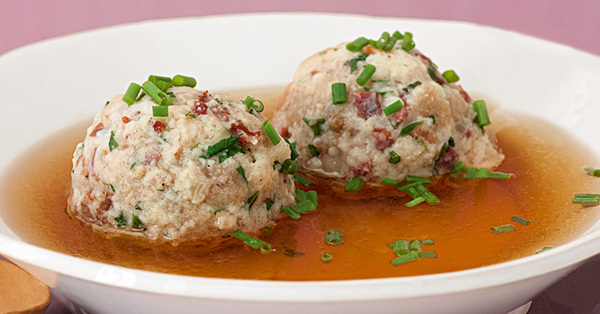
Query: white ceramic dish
{"points": [[55, 83]]}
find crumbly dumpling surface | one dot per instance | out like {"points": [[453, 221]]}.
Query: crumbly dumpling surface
{"points": [[140, 175], [356, 139]]}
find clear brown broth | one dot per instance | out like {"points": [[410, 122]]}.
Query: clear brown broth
{"points": [[548, 164]]}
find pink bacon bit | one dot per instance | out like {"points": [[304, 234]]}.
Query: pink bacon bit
{"points": [[464, 94], [125, 119], [238, 128], [383, 138], [99, 127], [200, 108], [361, 169], [222, 113], [448, 160], [159, 127], [366, 104], [153, 159]]}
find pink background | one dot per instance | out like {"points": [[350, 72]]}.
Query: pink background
{"points": [[575, 23]]}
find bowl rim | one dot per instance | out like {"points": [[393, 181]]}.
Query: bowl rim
{"points": [[560, 257]]}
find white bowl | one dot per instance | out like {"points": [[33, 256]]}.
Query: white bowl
{"points": [[56, 83]]}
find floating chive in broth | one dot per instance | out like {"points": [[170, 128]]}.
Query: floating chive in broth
{"points": [[457, 229]]}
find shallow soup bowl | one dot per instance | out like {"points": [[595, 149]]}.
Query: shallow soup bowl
{"points": [[54, 84]]}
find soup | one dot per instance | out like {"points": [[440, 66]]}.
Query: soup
{"points": [[547, 163]]}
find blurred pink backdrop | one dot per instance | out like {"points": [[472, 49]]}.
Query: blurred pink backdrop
{"points": [[574, 23]]}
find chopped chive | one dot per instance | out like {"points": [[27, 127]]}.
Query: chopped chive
{"points": [[326, 258], [252, 199], [470, 173], [357, 44], [429, 197], [289, 166], [407, 42], [153, 91], [412, 192], [353, 63], [390, 45], [304, 207], [293, 152], [132, 165], [520, 220], [316, 126], [121, 220], [302, 180], [411, 86], [338, 93], [136, 223], [112, 143], [252, 242], [427, 242], [393, 107], [592, 171], [406, 187], [383, 40], [365, 75], [354, 185], [428, 254], [290, 212], [131, 94], [397, 35], [389, 181], [482, 115], [270, 130], [483, 173], [222, 145], [112, 187], [450, 76], [431, 72], [586, 199], [250, 103], [313, 150], [241, 171], [269, 204], [418, 200], [415, 245], [166, 99], [418, 179], [313, 196], [400, 247], [432, 117], [334, 237], [406, 258], [503, 229], [137, 206], [180, 80], [407, 129], [544, 249], [160, 111], [394, 157], [218, 211], [301, 195], [451, 142]]}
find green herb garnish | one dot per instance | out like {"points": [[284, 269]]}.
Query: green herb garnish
{"points": [[112, 143], [334, 237], [354, 185], [253, 242]]}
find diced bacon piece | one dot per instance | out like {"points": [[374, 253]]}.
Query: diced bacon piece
{"points": [[200, 108], [238, 128], [366, 104], [125, 119], [220, 112], [153, 159], [383, 138], [361, 170], [159, 127], [464, 94], [99, 127], [399, 115], [448, 160]]}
